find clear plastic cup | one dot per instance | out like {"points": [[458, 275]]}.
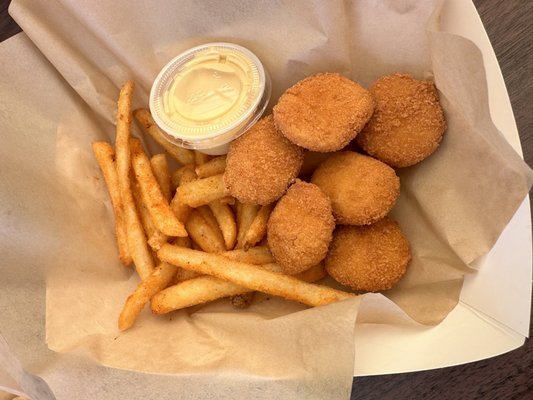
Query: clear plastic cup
{"points": [[210, 95]]}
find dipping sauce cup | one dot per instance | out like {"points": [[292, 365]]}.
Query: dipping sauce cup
{"points": [[209, 95]]}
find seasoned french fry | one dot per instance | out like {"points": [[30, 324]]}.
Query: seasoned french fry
{"points": [[246, 213], [177, 176], [209, 217], [105, 156], [208, 288], [162, 215], [202, 191], [258, 228], [226, 221], [213, 167], [251, 276], [155, 237], [201, 158], [137, 245], [313, 274], [179, 208], [154, 283], [160, 168], [184, 275], [202, 234], [229, 200], [183, 156], [254, 255]]}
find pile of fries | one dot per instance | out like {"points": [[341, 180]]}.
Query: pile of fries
{"points": [[189, 241]]}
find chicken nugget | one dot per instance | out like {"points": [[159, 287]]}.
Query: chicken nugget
{"points": [[362, 189], [261, 164], [323, 112], [408, 122], [368, 258], [300, 228]]}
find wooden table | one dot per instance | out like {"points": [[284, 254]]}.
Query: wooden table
{"points": [[510, 376]]}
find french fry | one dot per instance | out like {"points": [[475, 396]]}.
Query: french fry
{"points": [[154, 283], [160, 168], [105, 156], [179, 208], [202, 191], [183, 156], [202, 234], [215, 166], [246, 213], [137, 245], [162, 215], [229, 200], [313, 274], [209, 217], [201, 158], [226, 221], [177, 176], [206, 288], [257, 230], [155, 237], [254, 255], [251, 276]]}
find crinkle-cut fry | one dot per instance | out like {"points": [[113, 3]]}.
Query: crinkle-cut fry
{"points": [[202, 191], [246, 213], [183, 156], [226, 222], [208, 288], [201, 158], [162, 215], [214, 166], [257, 230], [159, 166], [254, 255], [154, 283], [251, 276], [137, 245], [179, 208], [105, 156], [202, 234], [155, 237]]}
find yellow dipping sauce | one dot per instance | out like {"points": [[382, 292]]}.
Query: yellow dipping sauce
{"points": [[209, 92]]}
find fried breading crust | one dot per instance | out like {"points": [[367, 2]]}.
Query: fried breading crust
{"points": [[261, 164], [368, 258], [300, 228], [408, 122], [323, 112], [362, 189]]}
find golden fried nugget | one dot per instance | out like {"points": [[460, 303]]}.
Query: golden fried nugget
{"points": [[323, 112], [369, 258], [362, 189], [408, 122], [300, 227], [261, 164]]}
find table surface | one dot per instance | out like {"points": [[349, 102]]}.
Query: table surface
{"points": [[509, 376]]}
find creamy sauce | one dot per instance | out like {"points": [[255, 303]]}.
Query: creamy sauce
{"points": [[213, 90]]}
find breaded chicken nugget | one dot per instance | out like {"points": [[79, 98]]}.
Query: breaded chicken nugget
{"points": [[261, 164], [300, 228], [408, 122], [362, 189], [369, 258], [323, 112]]}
